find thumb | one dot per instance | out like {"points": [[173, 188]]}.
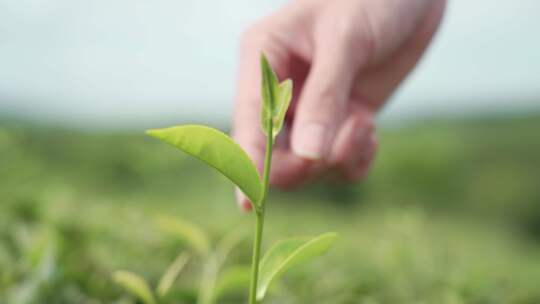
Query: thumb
{"points": [[323, 102]]}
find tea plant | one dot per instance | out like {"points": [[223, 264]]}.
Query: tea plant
{"points": [[220, 152], [140, 288], [214, 282], [28, 263]]}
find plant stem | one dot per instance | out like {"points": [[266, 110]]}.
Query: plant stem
{"points": [[255, 259], [259, 212]]}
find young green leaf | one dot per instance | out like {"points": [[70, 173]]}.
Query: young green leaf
{"points": [[276, 98], [269, 90], [171, 274], [287, 254], [190, 233], [282, 105], [217, 150], [136, 285]]}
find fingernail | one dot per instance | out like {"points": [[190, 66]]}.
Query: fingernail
{"points": [[243, 203], [310, 143]]}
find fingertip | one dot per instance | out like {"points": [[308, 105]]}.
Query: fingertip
{"points": [[242, 201], [351, 138], [310, 141], [247, 206]]}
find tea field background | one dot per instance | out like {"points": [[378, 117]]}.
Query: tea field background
{"points": [[450, 214]]}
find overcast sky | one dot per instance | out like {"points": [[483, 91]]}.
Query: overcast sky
{"points": [[135, 62]]}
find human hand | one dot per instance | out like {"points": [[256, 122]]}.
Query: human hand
{"points": [[345, 57]]}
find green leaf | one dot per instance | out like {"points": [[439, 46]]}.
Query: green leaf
{"points": [[135, 284], [217, 150], [283, 102], [190, 233], [276, 98], [233, 280], [269, 90], [171, 274], [287, 254]]}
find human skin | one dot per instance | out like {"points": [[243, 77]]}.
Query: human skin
{"points": [[346, 58]]}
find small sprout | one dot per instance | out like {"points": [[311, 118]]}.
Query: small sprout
{"points": [[136, 285], [220, 152], [191, 234], [276, 98], [212, 258], [171, 274]]}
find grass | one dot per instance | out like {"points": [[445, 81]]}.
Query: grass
{"points": [[451, 214]]}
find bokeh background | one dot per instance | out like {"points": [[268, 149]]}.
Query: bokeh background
{"points": [[450, 213]]}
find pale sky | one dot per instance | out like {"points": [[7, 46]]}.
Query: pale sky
{"points": [[138, 62]]}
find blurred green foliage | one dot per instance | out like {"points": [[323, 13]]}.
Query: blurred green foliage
{"points": [[450, 214]]}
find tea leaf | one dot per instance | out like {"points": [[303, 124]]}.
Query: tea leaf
{"points": [[217, 150], [136, 285], [287, 254], [269, 91], [190, 233], [171, 274], [276, 98], [283, 102]]}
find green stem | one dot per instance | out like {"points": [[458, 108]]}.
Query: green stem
{"points": [[259, 212]]}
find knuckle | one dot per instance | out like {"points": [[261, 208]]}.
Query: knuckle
{"points": [[367, 36], [356, 31]]}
